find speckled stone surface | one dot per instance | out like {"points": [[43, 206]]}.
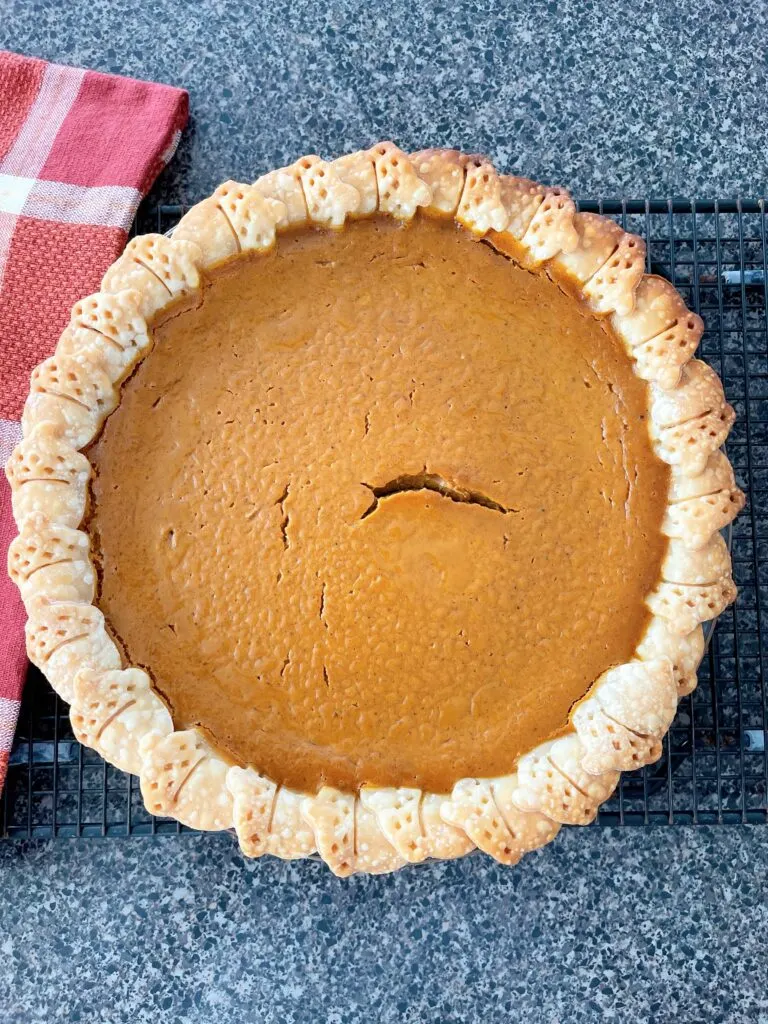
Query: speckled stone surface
{"points": [[635, 925], [598, 927], [622, 98]]}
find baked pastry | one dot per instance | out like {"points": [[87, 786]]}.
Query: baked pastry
{"points": [[376, 512]]}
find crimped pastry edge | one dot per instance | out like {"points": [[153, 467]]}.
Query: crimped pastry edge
{"points": [[620, 722]]}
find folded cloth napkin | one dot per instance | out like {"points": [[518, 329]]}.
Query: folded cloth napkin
{"points": [[78, 150]]}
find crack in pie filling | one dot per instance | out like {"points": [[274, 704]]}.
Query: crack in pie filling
{"points": [[376, 512]]}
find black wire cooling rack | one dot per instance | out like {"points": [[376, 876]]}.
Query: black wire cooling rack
{"points": [[714, 768]]}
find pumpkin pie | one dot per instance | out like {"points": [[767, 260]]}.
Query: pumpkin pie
{"points": [[375, 513]]}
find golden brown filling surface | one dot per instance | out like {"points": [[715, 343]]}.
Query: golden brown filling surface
{"points": [[380, 509]]}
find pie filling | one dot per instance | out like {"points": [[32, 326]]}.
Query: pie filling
{"points": [[378, 509]]}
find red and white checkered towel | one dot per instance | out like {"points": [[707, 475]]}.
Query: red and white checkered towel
{"points": [[78, 150]]}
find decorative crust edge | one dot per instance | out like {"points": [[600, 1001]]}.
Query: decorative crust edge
{"points": [[620, 723]]}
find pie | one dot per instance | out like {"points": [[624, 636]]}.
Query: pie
{"points": [[376, 512]]}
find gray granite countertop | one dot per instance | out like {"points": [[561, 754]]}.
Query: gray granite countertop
{"points": [[638, 99], [635, 99], [662, 926]]}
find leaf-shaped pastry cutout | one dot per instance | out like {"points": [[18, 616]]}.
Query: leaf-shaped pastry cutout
{"points": [[481, 208], [398, 811], [374, 854], [401, 191], [64, 637], [640, 695], [73, 395], [284, 185], [251, 216], [53, 561], [268, 817], [613, 287], [348, 835], [698, 391], [358, 170], [698, 566], [689, 445], [411, 822], [551, 230], [521, 199], [496, 826], [160, 269], [662, 358], [717, 475], [598, 238], [331, 816], [107, 330], [47, 475], [684, 652], [660, 330], [444, 171], [545, 787], [206, 225], [182, 776], [112, 711], [684, 605], [609, 745], [115, 316], [236, 218], [694, 520], [329, 199]]}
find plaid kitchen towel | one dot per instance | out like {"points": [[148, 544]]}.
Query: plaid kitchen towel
{"points": [[78, 150]]}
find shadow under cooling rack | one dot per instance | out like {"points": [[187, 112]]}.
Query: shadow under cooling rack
{"points": [[715, 764]]}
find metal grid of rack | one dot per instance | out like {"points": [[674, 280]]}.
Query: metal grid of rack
{"points": [[714, 768]]}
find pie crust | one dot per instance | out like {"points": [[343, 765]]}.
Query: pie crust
{"points": [[114, 709]]}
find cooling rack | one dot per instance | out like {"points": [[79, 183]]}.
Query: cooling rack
{"points": [[714, 768]]}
